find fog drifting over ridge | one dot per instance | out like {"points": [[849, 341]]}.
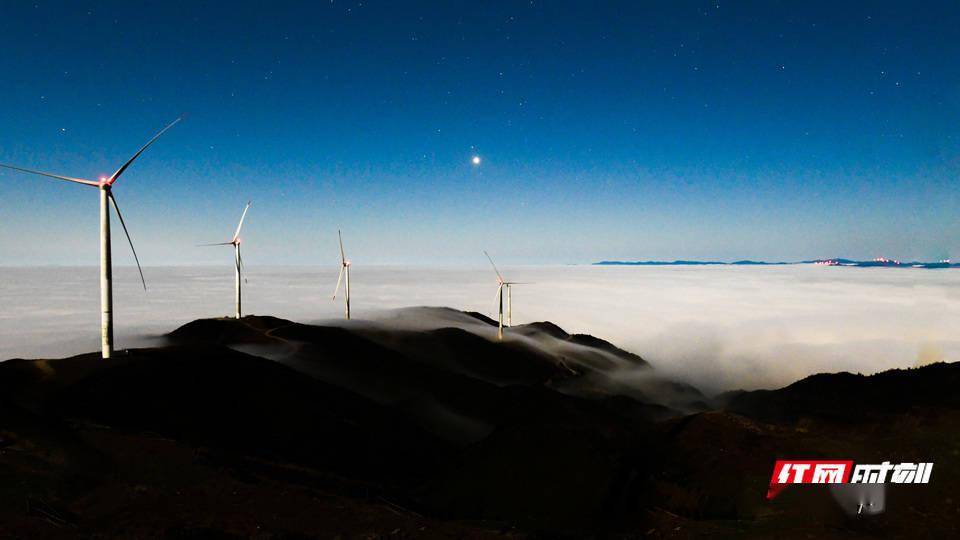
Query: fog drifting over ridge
{"points": [[718, 328]]}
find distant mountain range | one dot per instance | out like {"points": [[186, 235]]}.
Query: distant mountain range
{"points": [[878, 262]]}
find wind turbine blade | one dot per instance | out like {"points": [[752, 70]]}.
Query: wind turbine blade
{"points": [[243, 268], [217, 244], [135, 156], [57, 176], [240, 225], [335, 291], [343, 258], [493, 265], [129, 240]]}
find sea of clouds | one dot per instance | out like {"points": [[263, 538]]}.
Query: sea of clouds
{"points": [[717, 327]]}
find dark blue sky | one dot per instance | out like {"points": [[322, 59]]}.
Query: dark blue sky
{"points": [[631, 130]]}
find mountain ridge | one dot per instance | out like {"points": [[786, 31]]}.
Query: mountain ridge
{"points": [[265, 427]]}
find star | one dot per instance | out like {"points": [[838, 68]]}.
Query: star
{"points": [[475, 160]]}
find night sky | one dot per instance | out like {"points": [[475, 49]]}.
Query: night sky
{"points": [[633, 130]]}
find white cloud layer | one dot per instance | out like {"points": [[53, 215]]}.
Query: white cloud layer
{"points": [[716, 327]]}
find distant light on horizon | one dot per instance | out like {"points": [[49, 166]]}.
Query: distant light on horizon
{"points": [[475, 160]]}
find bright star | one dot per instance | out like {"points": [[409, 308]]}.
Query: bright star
{"points": [[475, 160]]}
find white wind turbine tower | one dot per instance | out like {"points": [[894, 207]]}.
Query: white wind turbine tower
{"points": [[237, 259], [105, 185], [344, 269], [501, 284]]}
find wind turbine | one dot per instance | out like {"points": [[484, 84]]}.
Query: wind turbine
{"points": [[344, 269], [105, 185], [237, 259], [501, 284]]}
